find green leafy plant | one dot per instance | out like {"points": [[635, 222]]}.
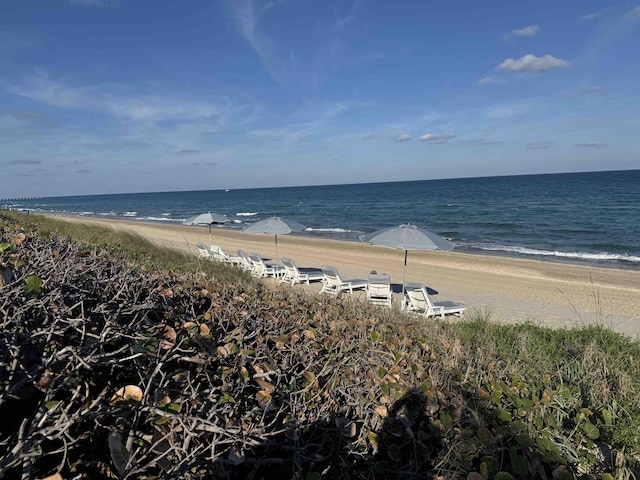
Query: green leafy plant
{"points": [[33, 285]]}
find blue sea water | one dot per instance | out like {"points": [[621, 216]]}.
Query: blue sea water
{"points": [[589, 218]]}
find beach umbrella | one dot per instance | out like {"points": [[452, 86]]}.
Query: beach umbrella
{"points": [[275, 226], [206, 219], [408, 237]]}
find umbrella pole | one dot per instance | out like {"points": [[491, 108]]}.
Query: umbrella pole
{"points": [[209, 232], [277, 259], [404, 271]]}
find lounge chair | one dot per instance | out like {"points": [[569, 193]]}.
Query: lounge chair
{"points": [[218, 254], [379, 289], [416, 299], [264, 269], [245, 261], [293, 274], [203, 251], [335, 284]]}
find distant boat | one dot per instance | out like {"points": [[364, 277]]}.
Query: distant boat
{"points": [[227, 190]]}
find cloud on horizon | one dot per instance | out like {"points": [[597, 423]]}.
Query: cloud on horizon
{"points": [[590, 145], [405, 137], [531, 63], [484, 81]]}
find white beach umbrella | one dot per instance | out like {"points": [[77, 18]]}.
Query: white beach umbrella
{"points": [[206, 219], [276, 226], [408, 237]]}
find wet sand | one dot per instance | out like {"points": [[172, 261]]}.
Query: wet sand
{"points": [[509, 289]]}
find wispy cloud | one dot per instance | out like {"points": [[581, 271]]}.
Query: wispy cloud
{"points": [[25, 162], [348, 18], [584, 90], [299, 66], [634, 14], [405, 137], [590, 16], [483, 142], [247, 14], [531, 63], [591, 145], [436, 137], [484, 81], [110, 100], [528, 31], [539, 145]]}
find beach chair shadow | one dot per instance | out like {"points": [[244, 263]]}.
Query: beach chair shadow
{"points": [[397, 288]]}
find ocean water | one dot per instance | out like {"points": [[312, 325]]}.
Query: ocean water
{"points": [[587, 218]]}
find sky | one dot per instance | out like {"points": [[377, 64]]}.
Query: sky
{"points": [[118, 96]]}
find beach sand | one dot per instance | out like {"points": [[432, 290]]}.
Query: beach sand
{"points": [[510, 290]]}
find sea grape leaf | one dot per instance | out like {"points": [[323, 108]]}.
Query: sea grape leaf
{"points": [[16, 262], [4, 246], [518, 462], [503, 415], [226, 398], [119, 453], [591, 430], [33, 284], [503, 476], [525, 441], [607, 417]]}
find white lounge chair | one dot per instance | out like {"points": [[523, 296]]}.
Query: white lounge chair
{"points": [[334, 284], [203, 251], [379, 289], [245, 261], [264, 269], [293, 274], [218, 254], [416, 299]]}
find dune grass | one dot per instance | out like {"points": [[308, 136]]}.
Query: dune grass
{"points": [[560, 397]]}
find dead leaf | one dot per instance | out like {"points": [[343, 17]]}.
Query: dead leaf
{"points": [[128, 392], [382, 411], [269, 387], [55, 476], [264, 398], [18, 239]]}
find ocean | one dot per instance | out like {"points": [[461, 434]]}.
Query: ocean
{"points": [[585, 218]]}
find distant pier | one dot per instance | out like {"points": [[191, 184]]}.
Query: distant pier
{"points": [[21, 199]]}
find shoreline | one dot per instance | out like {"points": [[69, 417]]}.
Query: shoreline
{"points": [[609, 260], [510, 290]]}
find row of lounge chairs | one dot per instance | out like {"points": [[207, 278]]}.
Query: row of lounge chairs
{"points": [[378, 287]]}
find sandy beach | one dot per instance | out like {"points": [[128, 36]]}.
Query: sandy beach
{"points": [[511, 290]]}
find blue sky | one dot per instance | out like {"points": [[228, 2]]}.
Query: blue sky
{"points": [[111, 96]]}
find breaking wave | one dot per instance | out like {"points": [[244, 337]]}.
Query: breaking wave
{"points": [[590, 256]]}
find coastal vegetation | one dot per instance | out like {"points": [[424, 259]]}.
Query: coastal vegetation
{"points": [[122, 359]]}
